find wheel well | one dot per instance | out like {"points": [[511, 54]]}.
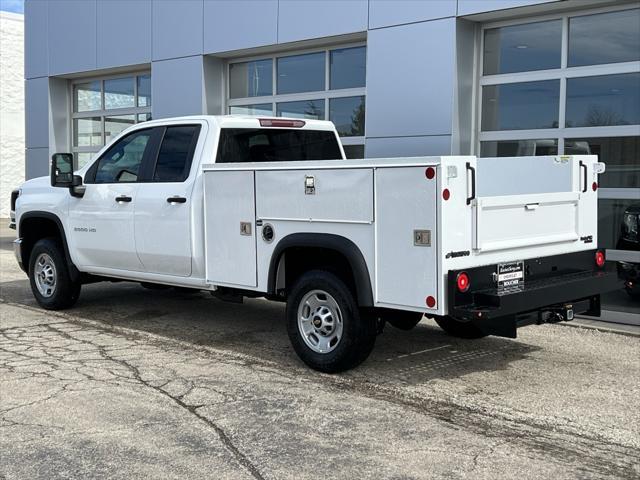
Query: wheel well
{"points": [[298, 253]]}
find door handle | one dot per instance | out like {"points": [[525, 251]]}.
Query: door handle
{"points": [[176, 199], [123, 199]]}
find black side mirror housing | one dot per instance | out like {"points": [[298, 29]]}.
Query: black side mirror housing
{"points": [[62, 170]]}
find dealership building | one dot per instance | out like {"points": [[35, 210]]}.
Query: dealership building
{"points": [[397, 77]]}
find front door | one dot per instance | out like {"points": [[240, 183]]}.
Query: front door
{"points": [[163, 204], [101, 227]]}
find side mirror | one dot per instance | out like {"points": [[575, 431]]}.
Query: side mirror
{"points": [[62, 170]]}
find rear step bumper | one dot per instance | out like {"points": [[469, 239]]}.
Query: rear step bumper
{"points": [[555, 288]]}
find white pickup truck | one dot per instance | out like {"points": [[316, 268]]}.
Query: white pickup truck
{"points": [[270, 207]]}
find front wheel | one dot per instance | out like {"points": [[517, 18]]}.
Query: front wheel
{"points": [[324, 323], [459, 329], [49, 276]]}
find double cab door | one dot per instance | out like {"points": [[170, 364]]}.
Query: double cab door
{"points": [[135, 214]]}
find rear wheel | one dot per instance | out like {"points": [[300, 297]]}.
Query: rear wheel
{"points": [[325, 326], [457, 328], [49, 276]]}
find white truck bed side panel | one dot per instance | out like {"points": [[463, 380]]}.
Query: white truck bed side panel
{"points": [[406, 273], [344, 195], [231, 254]]}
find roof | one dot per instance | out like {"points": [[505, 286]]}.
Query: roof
{"points": [[244, 121]]}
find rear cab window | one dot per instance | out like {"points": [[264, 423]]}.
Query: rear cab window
{"points": [[276, 145]]}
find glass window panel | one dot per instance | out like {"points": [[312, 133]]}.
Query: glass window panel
{"points": [[114, 125], [621, 154], [87, 97], [348, 115], [82, 158], [312, 109], [251, 79], [176, 151], [144, 91], [118, 93], [144, 117], [603, 100], [354, 151], [301, 73], [87, 132], [610, 216], [121, 162], [520, 106], [348, 68], [522, 48], [519, 148], [258, 109], [604, 38]]}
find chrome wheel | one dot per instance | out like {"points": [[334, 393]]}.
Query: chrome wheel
{"points": [[320, 321], [45, 275]]}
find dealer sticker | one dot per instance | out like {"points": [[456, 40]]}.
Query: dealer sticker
{"points": [[511, 274]]}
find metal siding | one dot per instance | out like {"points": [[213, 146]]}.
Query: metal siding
{"points": [[469, 7], [410, 79], [177, 87], [173, 38], [232, 25], [72, 36], [37, 112], [36, 163], [35, 39], [123, 33], [407, 146], [385, 13], [317, 18]]}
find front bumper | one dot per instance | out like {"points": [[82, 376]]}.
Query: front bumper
{"points": [[17, 251], [554, 288]]}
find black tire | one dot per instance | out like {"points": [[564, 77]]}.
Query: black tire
{"points": [[459, 329], [402, 319], [66, 292], [358, 332]]}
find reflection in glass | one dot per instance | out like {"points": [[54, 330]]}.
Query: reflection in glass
{"points": [[144, 91], [251, 79], [86, 97], [312, 109], [603, 100], [118, 93], [348, 115], [144, 117], [354, 151], [114, 125], [348, 68], [87, 132], [610, 216], [257, 109], [301, 73], [522, 48], [519, 148], [604, 38], [621, 154], [520, 106]]}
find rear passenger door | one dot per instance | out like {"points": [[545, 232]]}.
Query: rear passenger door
{"points": [[162, 215]]}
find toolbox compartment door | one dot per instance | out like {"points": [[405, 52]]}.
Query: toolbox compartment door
{"points": [[513, 221]]}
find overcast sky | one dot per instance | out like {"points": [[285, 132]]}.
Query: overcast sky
{"points": [[16, 6]]}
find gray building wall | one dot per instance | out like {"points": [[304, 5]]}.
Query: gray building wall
{"points": [[419, 59]]}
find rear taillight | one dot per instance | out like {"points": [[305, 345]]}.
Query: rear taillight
{"points": [[462, 282], [274, 122], [600, 259]]}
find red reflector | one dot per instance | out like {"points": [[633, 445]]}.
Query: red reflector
{"points": [[462, 281], [272, 122], [431, 301], [594, 186], [430, 173], [446, 194], [600, 259]]}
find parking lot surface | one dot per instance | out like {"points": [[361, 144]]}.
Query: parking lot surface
{"points": [[133, 383]]}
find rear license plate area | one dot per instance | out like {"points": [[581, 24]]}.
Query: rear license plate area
{"points": [[510, 276]]}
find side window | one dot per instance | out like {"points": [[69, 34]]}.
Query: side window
{"points": [[121, 163], [175, 154]]}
